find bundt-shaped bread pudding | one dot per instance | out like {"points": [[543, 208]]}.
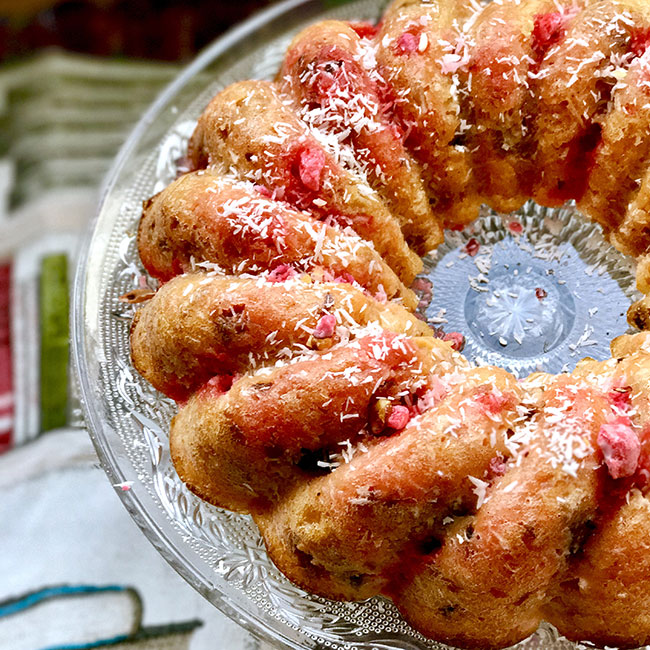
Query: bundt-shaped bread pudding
{"points": [[374, 458]]}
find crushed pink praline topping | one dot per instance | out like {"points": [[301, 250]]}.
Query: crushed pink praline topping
{"points": [[125, 486], [491, 402], [452, 62], [364, 29], [398, 417], [339, 278], [311, 162], [407, 43], [395, 129], [325, 327], [325, 84], [343, 278], [380, 295], [424, 288], [423, 285], [281, 273], [433, 395], [264, 191], [497, 466], [639, 41], [620, 446], [548, 30], [456, 339]]}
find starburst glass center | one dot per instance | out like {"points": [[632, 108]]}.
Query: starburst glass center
{"points": [[536, 290]]}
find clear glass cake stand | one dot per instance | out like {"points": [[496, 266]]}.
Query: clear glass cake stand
{"points": [[534, 290]]}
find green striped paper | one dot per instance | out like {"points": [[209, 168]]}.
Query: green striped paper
{"points": [[54, 306]]}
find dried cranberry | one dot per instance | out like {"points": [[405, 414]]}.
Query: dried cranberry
{"points": [[472, 247]]}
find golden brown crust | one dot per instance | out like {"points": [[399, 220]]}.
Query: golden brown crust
{"points": [[204, 217], [530, 519], [426, 102], [454, 526], [247, 130], [572, 88], [632, 236], [622, 149], [363, 522], [198, 326], [605, 594], [643, 274], [500, 99], [333, 85], [638, 315], [262, 426]]}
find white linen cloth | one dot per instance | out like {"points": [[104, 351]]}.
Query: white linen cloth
{"points": [[63, 523]]}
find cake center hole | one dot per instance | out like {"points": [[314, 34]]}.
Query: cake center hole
{"points": [[537, 290]]}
